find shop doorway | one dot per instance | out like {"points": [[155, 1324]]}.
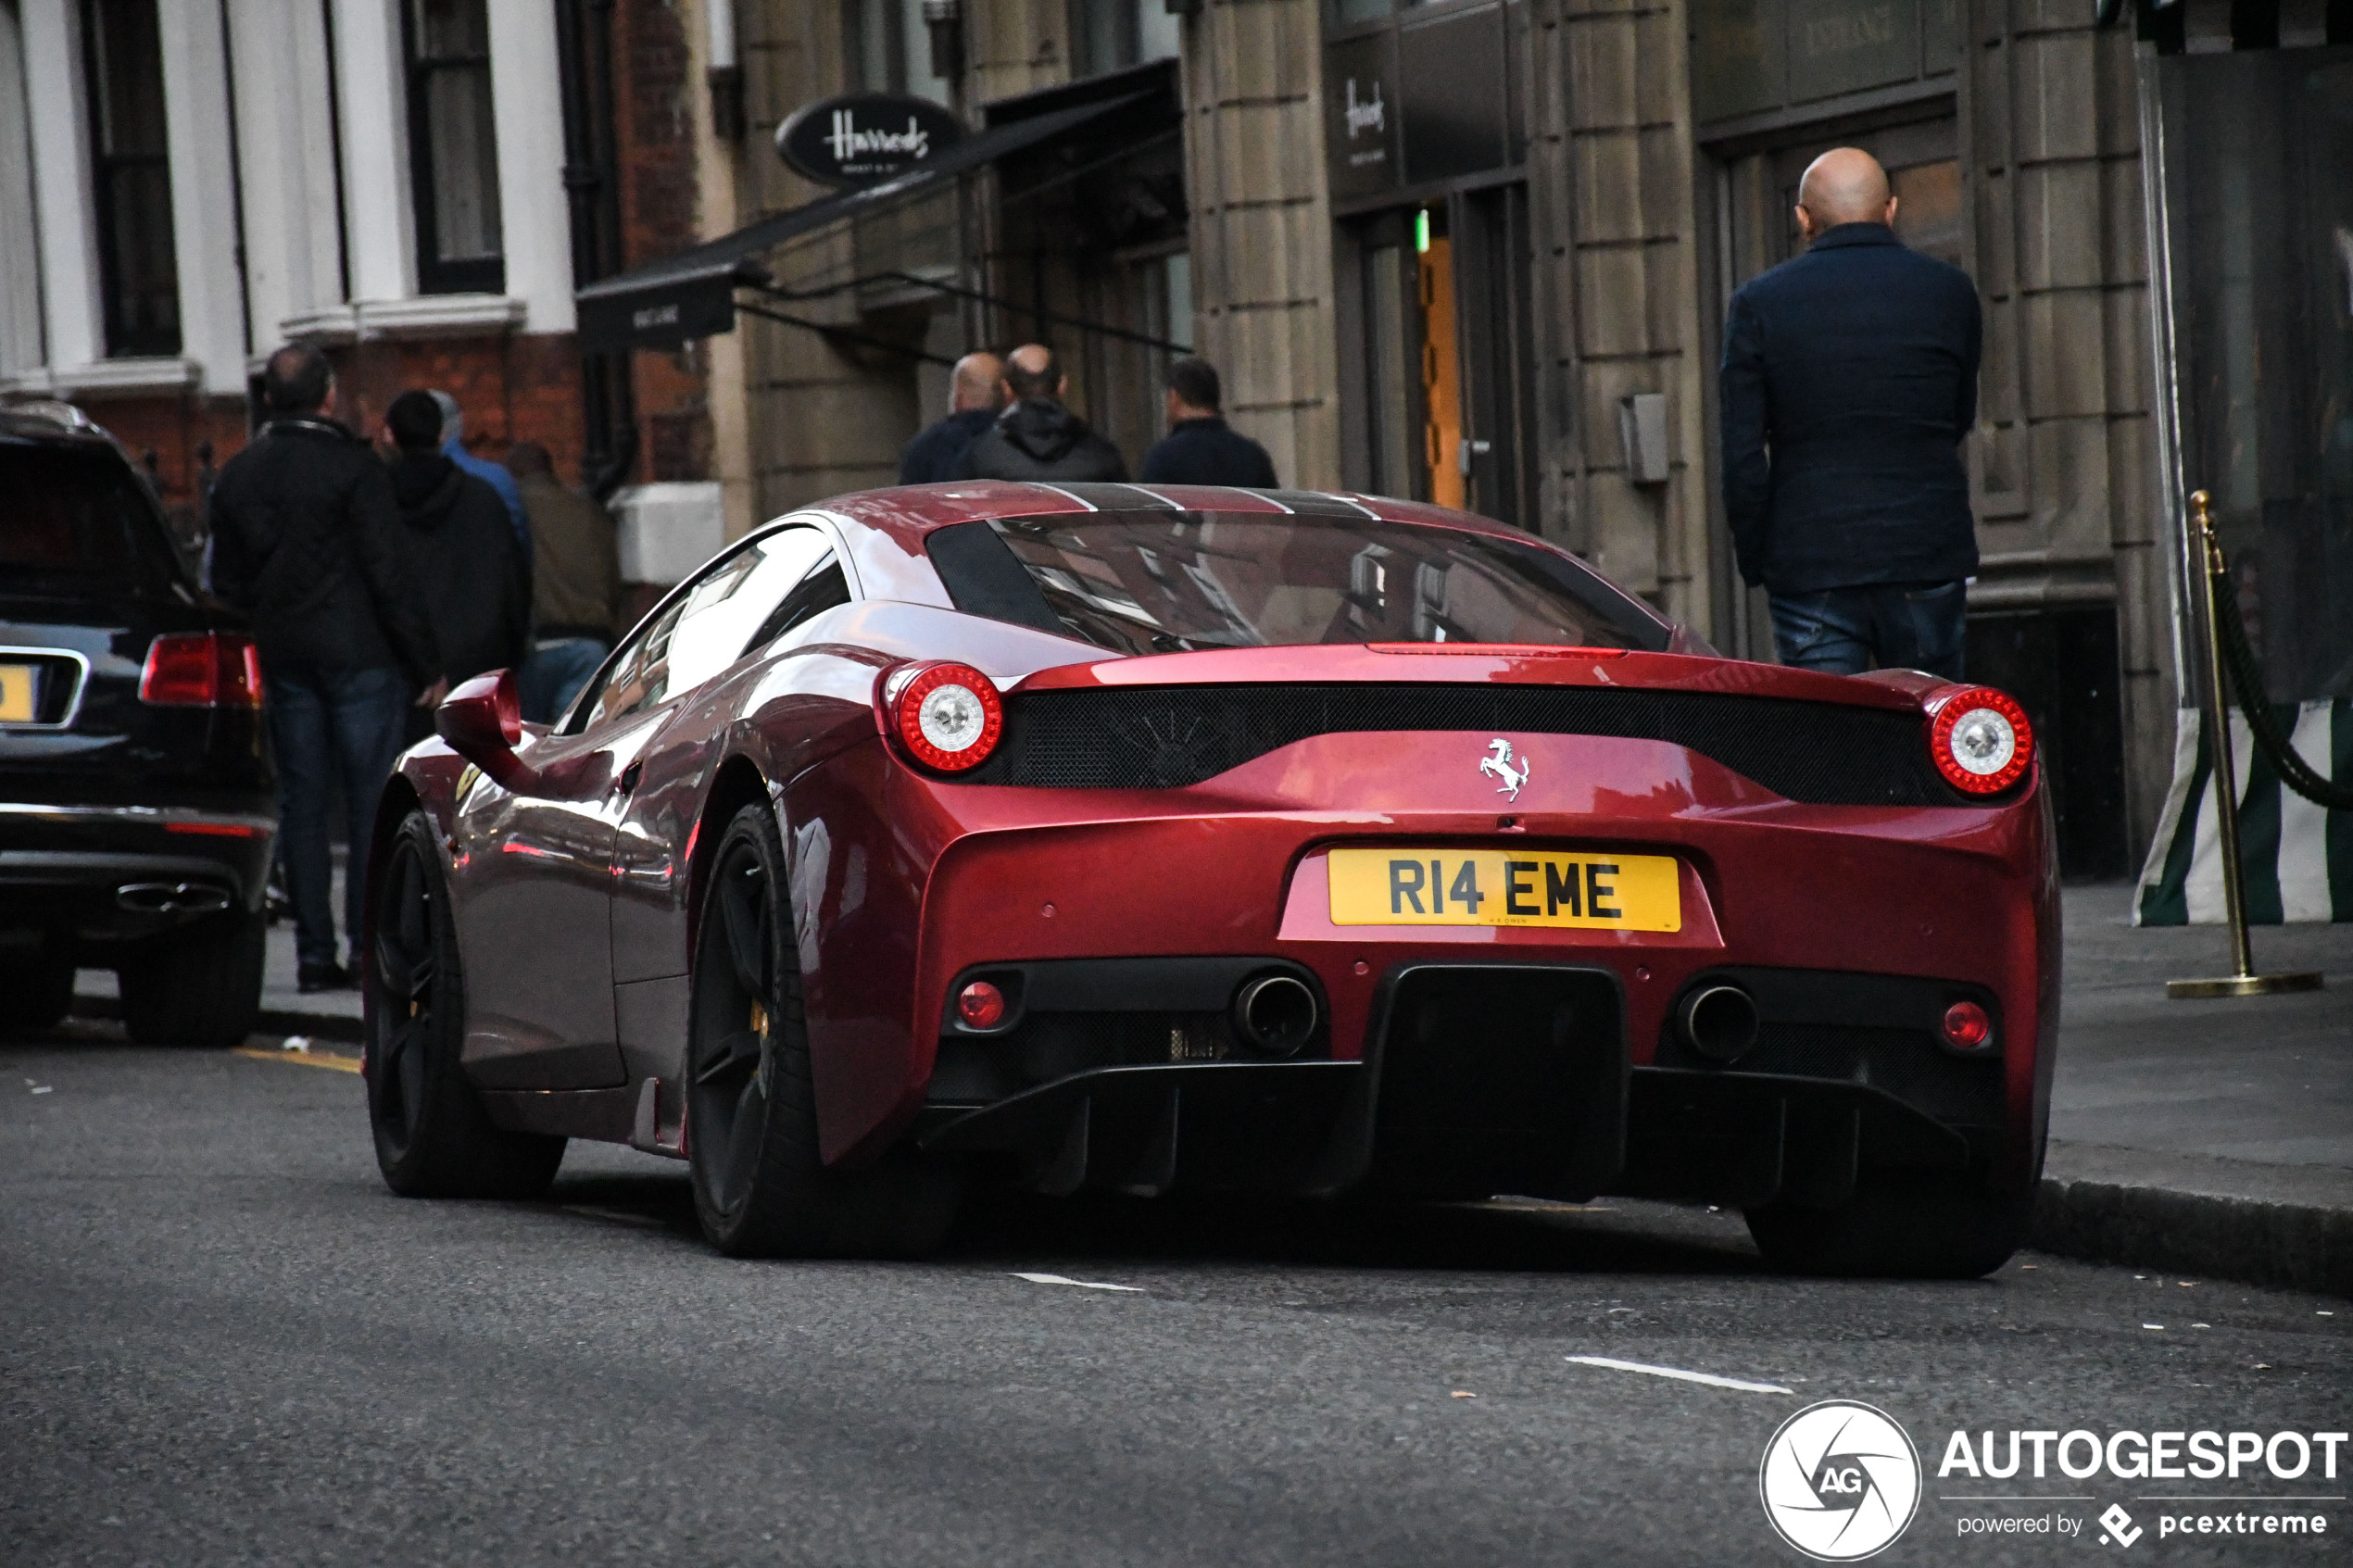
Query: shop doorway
{"points": [[1438, 329], [1442, 370]]}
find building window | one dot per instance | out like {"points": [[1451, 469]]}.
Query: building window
{"points": [[1114, 34], [889, 49], [139, 274], [453, 148]]}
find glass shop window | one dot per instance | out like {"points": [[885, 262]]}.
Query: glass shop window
{"points": [[131, 173], [453, 148]]}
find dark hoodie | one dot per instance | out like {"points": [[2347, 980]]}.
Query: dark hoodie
{"points": [[465, 564], [1037, 438]]}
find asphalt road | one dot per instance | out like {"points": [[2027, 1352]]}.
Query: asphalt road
{"points": [[226, 1343]]}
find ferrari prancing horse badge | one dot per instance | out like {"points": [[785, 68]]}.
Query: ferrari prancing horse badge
{"points": [[1500, 767]]}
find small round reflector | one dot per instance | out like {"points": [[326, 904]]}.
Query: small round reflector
{"points": [[1981, 740], [1965, 1027], [949, 716], [981, 1006]]}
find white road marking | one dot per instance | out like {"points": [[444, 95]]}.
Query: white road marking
{"points": [[1081, 1284], [1681, 1375]]}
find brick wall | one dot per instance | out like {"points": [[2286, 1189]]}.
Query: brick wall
{"points": [[513, 388]]}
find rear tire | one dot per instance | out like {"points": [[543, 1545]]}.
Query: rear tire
{"points": [[37, 991], [1897, 1226], [761, 1189], [433, 1137], [199, 986]]}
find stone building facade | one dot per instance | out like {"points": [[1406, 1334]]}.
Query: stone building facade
{"points": [[1479, 251]]}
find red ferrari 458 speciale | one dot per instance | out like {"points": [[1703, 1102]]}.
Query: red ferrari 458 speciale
{"points": [[1148, 839]]}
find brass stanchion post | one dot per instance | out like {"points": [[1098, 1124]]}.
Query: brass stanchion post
{"points": [[2242, 981]]}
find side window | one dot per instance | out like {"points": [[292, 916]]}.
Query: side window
{"points": [[705, 629], [823, 589]]}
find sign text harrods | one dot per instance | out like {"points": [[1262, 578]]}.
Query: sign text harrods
{"points": [[865, 138]]}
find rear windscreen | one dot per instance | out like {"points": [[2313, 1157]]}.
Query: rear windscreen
{"points": [[1144, 582], [75, 520]]}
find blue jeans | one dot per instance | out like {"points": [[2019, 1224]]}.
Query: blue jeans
{"points": [[554, 673], [1891, 625], [331, 726]]}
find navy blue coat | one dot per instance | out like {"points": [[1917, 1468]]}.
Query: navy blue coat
{"points": [[1205, 451], [1849, 378], [934, 453]]}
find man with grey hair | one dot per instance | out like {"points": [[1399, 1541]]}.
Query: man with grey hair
{"points": [[974, 397], [1849, 379], [453, 446]]}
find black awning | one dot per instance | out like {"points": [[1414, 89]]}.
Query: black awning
{"points": [[692, 295]]}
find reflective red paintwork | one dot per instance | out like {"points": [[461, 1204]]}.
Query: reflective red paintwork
{"points": [[574, 899]]}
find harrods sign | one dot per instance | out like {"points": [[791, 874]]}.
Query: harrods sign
{"points": [[865, 138]]}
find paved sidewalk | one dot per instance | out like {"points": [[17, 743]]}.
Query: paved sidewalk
{"points": [[2213, 1135]]}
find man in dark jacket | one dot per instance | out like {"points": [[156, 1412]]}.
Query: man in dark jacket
{"points": [[1849, 379], [462, 551], [305, 541], [1199, 448], [974, 393], [1037, 438]]}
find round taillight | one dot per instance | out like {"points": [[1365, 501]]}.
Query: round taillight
{"points": [[949, 716], [981, 1006], [1965, 1027], [1981, 740]]}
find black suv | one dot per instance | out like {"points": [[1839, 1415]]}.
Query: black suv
{"points": [[136, 801]]}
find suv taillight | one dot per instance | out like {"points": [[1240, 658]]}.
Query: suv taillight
{"points": [[202, 669]]}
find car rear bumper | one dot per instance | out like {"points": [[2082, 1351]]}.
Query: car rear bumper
{"points": [[117, 873], [1478, 1078]]}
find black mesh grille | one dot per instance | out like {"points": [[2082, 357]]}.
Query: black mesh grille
{"points": [[1162, 737]]}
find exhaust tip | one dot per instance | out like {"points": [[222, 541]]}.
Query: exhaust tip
{"points": [[1276, 1014], [170, 898], [1718, 1022]]}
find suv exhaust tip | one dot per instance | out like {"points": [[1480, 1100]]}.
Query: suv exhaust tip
{"points": [[170, 898]]}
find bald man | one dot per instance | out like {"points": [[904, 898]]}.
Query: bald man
{"points": [[1849, 379], [975, 391]]}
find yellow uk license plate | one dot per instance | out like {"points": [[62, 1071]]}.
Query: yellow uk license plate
{"points": [[1607, 891], [15, 693]]}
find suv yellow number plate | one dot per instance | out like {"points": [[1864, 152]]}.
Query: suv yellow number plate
{"points": [[1606, 892], [15, 693]]}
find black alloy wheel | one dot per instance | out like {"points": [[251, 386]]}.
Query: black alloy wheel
{"points": [[760, 1186], [36, 989], [199, 986], [433, 1137]]}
